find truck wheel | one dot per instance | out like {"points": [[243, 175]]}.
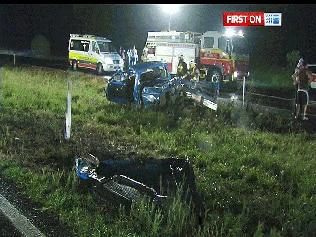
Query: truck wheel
{"points": [[99, 69], [74, 65], [213, 75]]}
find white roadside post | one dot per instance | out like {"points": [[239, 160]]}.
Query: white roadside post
{"points": [[68, 111], [243, 90]]}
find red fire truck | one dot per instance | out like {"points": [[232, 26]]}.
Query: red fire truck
{"points": [[213, 52]]}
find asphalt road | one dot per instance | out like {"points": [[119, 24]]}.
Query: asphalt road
{"points": [[13, 223], [19, 216], [7, 227]]}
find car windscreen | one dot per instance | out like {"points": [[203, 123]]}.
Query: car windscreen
{"points": [[159, 72], [106, 46]]}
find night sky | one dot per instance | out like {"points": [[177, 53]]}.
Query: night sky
{"points": [[127, 25]]}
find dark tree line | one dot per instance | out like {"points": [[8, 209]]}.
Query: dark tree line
{"points": [[127, 25]]}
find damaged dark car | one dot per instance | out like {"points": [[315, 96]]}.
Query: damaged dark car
{"points": [[144, 85], [151, 85]]}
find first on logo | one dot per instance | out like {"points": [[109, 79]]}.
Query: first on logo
{"points": [[251, 19]]}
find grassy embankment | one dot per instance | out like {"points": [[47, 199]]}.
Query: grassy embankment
{"points": [[254, 179]]}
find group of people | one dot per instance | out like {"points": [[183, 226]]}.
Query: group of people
{"points": [[302, 78], [193, 73], [130, 57]]}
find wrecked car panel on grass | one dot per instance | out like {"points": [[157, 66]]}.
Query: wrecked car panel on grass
{"points": [[201, 92], [123, 182]]}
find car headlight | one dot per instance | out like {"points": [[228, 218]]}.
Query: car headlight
{"points": [[151, 98]]}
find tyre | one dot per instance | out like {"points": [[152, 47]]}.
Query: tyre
{"points": [[99, 69], [74, 65], [213, 75]]}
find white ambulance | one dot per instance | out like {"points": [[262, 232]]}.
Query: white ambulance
{"points": [[93, 52]]}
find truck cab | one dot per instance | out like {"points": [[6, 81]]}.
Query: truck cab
{"points": [[220, 59], [218, 56]]}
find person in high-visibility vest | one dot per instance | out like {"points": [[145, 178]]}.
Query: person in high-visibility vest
{"points": [[182, 69], [144, 55], [194, 71]]}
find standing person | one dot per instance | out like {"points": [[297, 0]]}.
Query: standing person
{"points": [[182, 68], [144, 55], [302, 98], [295, 82], [216, 90], [194, 71], [124, 59], [134, 56], [129, 57], [122, 53]]}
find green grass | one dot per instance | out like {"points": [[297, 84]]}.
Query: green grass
{"points": [[255, 172]]}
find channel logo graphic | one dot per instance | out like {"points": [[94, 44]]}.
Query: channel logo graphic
{"points": [[251, 19], [272, 19]]}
